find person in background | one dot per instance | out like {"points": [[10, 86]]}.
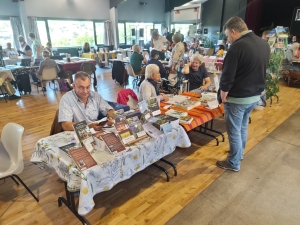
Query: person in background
{"points": [[166, 32], [294, 39], [4, 81], [186, 52], [177, 53], [196, 48], [292, 53], [188, 39], [136, 60], [86, 48], [25, 48], [149, 88], [48, 47], [35, 46], [182, 36], [158, 42], [196, 73], [264, 35], [9, 50], [83, 104], [169, 37], [221, 50], [154, 60], [242, 81], [46, 63]]}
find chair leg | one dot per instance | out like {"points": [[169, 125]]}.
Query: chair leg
{"points": [[25, 187], [14, 180], [95, 80]]}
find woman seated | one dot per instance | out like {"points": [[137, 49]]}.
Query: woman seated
{"points": [[196, 73], [48, 47], [292, 53], [86, 48], [220, 51], [149, 88]]}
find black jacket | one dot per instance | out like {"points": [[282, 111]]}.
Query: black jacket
{"points": [[245, 66]]}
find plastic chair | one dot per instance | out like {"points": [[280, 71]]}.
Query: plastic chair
{"points": [[48, 74], [136, 78], [11, 157], [89, 68]]}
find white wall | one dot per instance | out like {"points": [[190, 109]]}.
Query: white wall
{"points": [[8, 8], [73, 9], [186, 14], [131, 10]]}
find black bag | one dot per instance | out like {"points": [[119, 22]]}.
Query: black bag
{"points": [[23, 83], [119, 73], [219, 96]]}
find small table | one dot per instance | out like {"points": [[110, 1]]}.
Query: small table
{"points": [[9, 61]]}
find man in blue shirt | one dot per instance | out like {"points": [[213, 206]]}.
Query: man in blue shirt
{"points": [[154, 60]]}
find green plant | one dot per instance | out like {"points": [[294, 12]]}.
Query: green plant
{"points": [[207, 43], [222, 35], [273, 76]]}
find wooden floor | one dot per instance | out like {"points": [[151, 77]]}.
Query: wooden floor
{"points": [[146, 198]]}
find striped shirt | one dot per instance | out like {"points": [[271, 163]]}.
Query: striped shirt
{"points": [[72, 109]]}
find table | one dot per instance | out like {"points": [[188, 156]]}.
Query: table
{"points": [[6, 71], [9, 61], [111, 170], [100, 55], [74, 67]]}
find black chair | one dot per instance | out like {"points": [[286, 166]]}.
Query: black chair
{"points": [[89, 68], [25, 62]]}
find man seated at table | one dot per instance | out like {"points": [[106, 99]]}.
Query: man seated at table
{"points": [[9, 50], [196, 73], [46, 63], [83, 104], [25, 48], [4, 82], [154, 60], [136, 60], [149, 88]]}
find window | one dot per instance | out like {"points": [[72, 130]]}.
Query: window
{"points": [[42, 32], [121, 33], [6, 34], [99, 32], [158, 27], [138, 33], [66, 33], [183, 28]]}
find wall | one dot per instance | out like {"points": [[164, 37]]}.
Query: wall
{"points": [[81, 9], [8, 8], [186, 14], [131, 10], [234, 8]]}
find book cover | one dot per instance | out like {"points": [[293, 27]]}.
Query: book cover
{"points": [[65, 149], [151, 130], [176, 113], [113, 143], [177, 99], [119, 115], [188, 104], [82, 158], [136, 127], [84, 135], [185, 119], [282, 32], [167, 119], [124, 132], [153, 106], [144, 110]]}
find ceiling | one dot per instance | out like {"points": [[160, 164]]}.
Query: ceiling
{"points": [[193, 2]]}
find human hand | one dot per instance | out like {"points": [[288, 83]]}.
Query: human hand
{"points": [[165, 98], [163, 51], [110, 121], [96, 126], [203, 88]]}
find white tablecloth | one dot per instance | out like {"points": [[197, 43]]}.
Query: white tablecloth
{"points": [[4, 71], [9, 61], [112, 169]]}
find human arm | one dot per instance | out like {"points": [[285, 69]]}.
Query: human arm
{"points": [[207, 83], [168, 43], [186, 69]]}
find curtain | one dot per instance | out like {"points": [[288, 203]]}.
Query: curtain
{"points": [[17, 30], [253, 15], [33, 28], [108, 38]]}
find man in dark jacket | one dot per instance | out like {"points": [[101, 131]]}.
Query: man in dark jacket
{"points": [[242, 81], [154, 60]]}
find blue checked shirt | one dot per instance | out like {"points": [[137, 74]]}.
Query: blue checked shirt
{"points": [[72, 109]]}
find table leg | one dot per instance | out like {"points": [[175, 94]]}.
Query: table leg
{"points": [[171, 164], [70, 203], [205, 132], [163, 169]]}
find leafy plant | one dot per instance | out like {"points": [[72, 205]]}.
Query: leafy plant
{"points": [[272, 87], [222, 35], [207, 43]]}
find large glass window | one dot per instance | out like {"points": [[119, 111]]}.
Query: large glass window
{"points": [[66, 33], [158, 27], [121, 33], [138, 33], [6, 34], [42, 32], [183, 28], [99, 32]]}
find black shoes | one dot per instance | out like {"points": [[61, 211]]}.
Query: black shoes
{"points": [[226, 166], [13, 97]]}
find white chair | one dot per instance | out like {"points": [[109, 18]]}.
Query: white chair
{"points": [[11, 156], [49, 74], [136, 78]]}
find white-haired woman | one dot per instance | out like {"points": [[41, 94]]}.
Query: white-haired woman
{"points": [[292, 53], [196, 73], [149, 88]]}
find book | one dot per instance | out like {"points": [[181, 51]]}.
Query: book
{"points": [[64, 152], [164, 120], [124, 132], [136, 127], [82, 158], [271, 33], [185, 119], [84, 135], [177, 99], [176, 113], [282, 32], [113, 143], [151, 130], [144, 110], [188, 104], [153, 106], [119, 115]]}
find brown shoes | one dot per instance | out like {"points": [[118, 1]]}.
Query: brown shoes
{"points": [[226, 166]]}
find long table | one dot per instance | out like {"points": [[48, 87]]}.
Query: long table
{"points": [[111, 170]]}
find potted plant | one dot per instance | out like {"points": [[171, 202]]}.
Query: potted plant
{"points": [[273, 75]]}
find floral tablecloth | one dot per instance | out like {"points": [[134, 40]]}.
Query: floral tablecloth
{"points": [[110, 169]]}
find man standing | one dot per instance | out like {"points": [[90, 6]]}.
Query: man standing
{"points": [[35, 46], [158, 42], [242, 81]]}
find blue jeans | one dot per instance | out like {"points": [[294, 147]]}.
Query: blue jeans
{"points": [[237, 118]]}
